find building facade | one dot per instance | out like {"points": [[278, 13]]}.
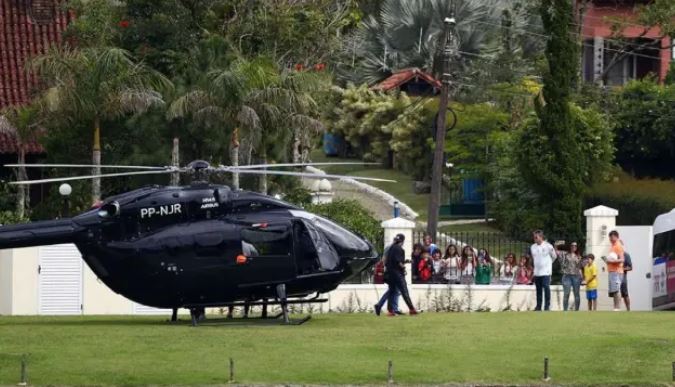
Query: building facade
{"points": [[635, 53]]}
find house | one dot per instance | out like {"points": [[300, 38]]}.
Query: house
{"points": [[413, 81], [604, 58], [27, 28]]}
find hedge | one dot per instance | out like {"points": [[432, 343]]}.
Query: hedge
{"points": [[639, 201]]}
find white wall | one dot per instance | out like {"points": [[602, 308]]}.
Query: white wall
{"points": [[6, 282], [638, 241], [97, 298], [494, 297]]}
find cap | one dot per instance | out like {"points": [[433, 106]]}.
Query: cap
{"points": [[399, 238]]}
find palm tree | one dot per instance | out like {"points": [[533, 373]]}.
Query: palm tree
{"points": [[406, 32], [95, 84], [268, 108], [22, 123]]}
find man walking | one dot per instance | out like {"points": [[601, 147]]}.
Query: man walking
{"points": [[614, 261], [543, 255], [395, 275]]}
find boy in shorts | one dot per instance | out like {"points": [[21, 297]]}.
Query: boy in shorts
{"points": [[591, 281]]}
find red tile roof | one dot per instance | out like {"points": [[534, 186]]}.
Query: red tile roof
{"points": [[402, 76], [27, 28]]}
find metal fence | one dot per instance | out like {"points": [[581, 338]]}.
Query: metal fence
{"points": [[497, 244]]}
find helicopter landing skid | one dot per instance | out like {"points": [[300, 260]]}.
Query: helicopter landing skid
{"points": [[198, 316]]}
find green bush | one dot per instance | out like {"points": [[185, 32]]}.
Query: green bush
{"points": [[352, 215], [639, 201]]}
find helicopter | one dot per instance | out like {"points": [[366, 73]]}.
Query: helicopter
{"points": [[204, 245]]}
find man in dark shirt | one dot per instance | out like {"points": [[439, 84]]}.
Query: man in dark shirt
{"points": [[627, 266], [395, 275]]}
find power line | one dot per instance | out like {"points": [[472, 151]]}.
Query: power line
{"points": [[526, 31]]}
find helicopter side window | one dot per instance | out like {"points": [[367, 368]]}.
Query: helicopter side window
{"points": [[258, 242]]}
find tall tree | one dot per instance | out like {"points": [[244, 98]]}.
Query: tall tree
{"points": [[94, 84], [21, 122], [405, 34], [269, 108], [549, 153]]}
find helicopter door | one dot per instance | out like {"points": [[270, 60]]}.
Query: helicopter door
{"points": [[313, 251], [269, 253]]}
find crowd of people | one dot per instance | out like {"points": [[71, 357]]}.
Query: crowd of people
{"points": [[464, 264]]}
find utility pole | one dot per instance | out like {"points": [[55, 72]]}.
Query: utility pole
{"points": [[449, 44]]}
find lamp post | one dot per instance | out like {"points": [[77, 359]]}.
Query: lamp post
{"points": [[397, 209], [65, 190]]}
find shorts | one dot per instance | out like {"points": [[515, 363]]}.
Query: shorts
{"points": [[592, 294], [615, 280], [624, 286]]}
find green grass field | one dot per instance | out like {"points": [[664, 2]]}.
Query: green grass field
{"points": [[505, 348]]}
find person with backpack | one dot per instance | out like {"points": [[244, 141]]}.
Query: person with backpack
{"points": [[385, 296]]}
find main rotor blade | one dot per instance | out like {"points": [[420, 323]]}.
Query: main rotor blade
{"points": [[89, 177], [304, 174], [258, 166], [84, 166]]}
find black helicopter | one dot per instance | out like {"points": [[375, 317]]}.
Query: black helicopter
{"points": [[204, 245]]}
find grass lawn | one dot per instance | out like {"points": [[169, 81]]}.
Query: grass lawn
{"points": [[471, 227], [584, 348]]}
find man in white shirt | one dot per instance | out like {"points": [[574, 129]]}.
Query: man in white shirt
{"points": [[543, 255]]}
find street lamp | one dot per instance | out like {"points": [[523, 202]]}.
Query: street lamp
{"points": [[397, 209], [65, 190]]}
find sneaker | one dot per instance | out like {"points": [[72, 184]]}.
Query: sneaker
{"points": [[414, 312], [391, 314], [378, 310], [617, 310], [398, 312]]}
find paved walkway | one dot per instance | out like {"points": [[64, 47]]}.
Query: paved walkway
{"points": [[380, 209]]}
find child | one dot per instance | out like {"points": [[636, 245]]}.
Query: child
{"points": [[523, 272], [483, 271], [468, 265], [425, 268], [416, 257], [451, 265], [437, 264], [507, 270], [591, 281]]}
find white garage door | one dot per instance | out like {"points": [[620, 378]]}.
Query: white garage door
{"points": [[60, 286], [148, 310]]}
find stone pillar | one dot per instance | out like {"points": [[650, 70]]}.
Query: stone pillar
{"points": [[400, 226], [322, 192], [600, 221]]}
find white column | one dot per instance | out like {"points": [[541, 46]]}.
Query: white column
{"points": [[600, 221], [395, 226]]}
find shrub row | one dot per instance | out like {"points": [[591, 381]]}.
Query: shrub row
{"points": [[639, 201]]}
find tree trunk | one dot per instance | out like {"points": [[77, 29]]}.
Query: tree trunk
{"points": [[297, 147], [263, 177], [22, 190], [96, 160], [234, 157], [175, 161]]}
